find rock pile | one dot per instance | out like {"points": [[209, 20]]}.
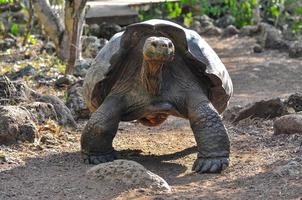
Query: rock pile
{"points": [[23, 109]]}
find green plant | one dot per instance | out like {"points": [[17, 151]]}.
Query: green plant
{"points": [[242, 11], [213, 9], [6, 1], [169, 10], [14, 29]]}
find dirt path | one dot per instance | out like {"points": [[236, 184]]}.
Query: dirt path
{"points": [[56, 171]]}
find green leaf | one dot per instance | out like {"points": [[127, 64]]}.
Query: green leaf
{"points": [[14, 29], [298, 10]]}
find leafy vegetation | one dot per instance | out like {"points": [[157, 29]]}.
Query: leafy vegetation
{"points": [[247, 12]]}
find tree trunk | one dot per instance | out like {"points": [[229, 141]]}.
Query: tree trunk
{"points": [[74, 20], [66, 36]]}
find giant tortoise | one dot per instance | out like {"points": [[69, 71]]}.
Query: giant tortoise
{"points": [[152, 70]]}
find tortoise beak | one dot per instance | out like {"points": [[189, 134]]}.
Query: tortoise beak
{"points": [[158, 49]]}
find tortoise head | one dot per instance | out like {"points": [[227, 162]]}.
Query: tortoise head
{"points": [[158, 49]]}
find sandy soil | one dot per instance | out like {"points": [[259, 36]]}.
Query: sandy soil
{"points": [[55, 171]]}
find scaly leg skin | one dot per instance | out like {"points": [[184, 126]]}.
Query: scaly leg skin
{"points": [[210, 134], [98, 134]]}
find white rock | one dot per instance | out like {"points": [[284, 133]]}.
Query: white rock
{"points": [[129, 174]]}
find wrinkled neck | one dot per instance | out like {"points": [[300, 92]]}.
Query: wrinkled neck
{"points": [[151, 76]]}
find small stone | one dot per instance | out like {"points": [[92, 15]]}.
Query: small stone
{"points": [[91, 45], [48, 138], [288, 124], [41, 111], [75, 102], [7, 43], [293, 168], [3, 158], [230, 31], [108, 30], [94, 30], [49, 48], [212, 31], [271, 38], [257, 48], [249, 31], [295, 50], [16, 124], [63, 113], [225, 21], [65, 81], [81, 67], [231, 113], [294, 102], [26, 71], [129, 174]]}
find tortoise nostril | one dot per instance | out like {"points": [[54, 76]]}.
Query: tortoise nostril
{"points": [[164, 45], [154, 44]]}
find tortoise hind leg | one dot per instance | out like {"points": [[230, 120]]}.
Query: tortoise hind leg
{"points": [[210, 135], [98, 134]]}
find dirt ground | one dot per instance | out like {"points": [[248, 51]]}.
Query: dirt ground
{"points": [[56, 171]]}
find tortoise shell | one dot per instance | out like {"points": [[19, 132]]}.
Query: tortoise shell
{"points": [[204, 62]]}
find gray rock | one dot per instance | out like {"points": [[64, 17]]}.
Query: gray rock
{"points": [[81, 67], [15, 92], [94, 30], [200, 23], [49, 139], [288, 33], [288, 124], [26, 71], [128, 174], [249, 31], [265, 109], [76, 103], [66, 80], [271, 38], [293, 168], [3, 158], [91, 45], [225, 21], [196, 26], [258, 48], [12, 92], [295, 50], [7, 43], [41, 112], [230, 31], [212, 31], [231, 113], [108, 30], [49, 48], [16, 124], [203, 19], [63, 113], [294, 102]]}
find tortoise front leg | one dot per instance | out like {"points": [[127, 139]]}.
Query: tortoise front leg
{"points": [[98, 134], [210, 135]]}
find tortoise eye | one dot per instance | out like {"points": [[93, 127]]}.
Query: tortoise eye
{"points": [[170, 45]]}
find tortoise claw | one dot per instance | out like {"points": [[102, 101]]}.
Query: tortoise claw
{"points": [[210, 165]]}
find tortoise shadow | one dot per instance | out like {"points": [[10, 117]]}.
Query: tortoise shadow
{"points": [[159, 164], [61, 172]]}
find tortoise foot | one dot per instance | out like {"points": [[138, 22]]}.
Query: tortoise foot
{"points": [[210, 165], [98, 159]]}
